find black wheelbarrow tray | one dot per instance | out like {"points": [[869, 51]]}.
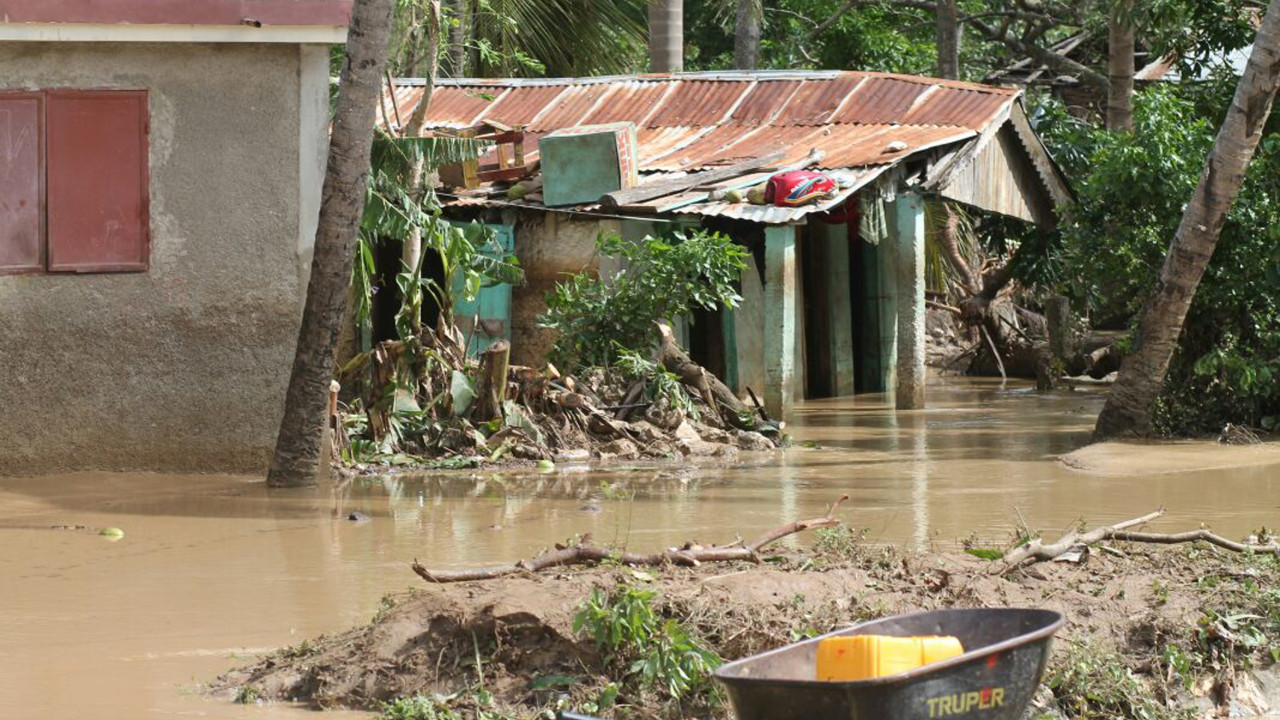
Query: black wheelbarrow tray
{"points": [[1005, 654]]}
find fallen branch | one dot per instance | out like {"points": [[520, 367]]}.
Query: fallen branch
{"points": [[994, 352], [943, 306], [722, 401], [690, 555], [1194, 536], [1035, 550]]}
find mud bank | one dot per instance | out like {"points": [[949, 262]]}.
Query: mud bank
{"points": [[1155, 634], [1123, 459]]}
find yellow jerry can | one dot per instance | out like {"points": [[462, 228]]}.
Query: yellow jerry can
{"points": [[862, 657]]}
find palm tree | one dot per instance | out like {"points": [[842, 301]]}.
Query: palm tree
{"points": [[1128, 409], [296, 461]]}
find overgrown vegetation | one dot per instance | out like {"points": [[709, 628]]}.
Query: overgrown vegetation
{"points": [[1093, 682], [1132, 187], [665, 279]]}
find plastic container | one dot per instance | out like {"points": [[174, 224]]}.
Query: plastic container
{"points": [[862, 657]]}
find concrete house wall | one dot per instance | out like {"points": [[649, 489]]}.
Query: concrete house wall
{"points": [[183, 366]]}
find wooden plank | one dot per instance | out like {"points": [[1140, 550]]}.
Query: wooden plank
{"points": [[633, 196]]}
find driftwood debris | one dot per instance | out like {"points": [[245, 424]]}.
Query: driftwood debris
{"points": [[688, 555], [1036, 550], [716, 394]]}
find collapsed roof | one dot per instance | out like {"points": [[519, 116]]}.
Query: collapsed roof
{"points": [[965, 141]]}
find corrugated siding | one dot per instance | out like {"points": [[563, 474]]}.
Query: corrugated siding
{"points": [[1000, 178]]}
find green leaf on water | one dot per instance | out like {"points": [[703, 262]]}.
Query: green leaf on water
{"points": [[546, 466], [111, 533], [985, 553]]}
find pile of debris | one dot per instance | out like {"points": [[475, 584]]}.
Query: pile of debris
{"points": [[461, 413]]}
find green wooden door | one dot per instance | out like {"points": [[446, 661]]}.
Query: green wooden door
{"points": [[487, 319]]}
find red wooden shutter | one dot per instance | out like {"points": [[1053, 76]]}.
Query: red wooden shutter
{"points": [[97, 181], [21, 182]]}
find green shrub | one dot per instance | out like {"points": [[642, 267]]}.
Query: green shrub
{"points": [[665, 279], [660, 652]]}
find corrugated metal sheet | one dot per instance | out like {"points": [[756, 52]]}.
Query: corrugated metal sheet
{"points": [[851, 180], [520, 106], [880, 101], [814, 102], [630, 101], [764, 101], [698, 103], [949, 106], [452, 107], [569, 108], [859, 145]]}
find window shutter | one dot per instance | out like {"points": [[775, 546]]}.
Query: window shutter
{"points": [[21, 180], [97, 181]]}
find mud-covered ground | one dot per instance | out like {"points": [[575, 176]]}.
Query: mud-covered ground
{"points": [[1152, 632]]}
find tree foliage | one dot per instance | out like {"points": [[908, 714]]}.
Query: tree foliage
{"points": [[1132, 188]]}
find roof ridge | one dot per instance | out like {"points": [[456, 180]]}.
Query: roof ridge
{"points": [[741, 76]]}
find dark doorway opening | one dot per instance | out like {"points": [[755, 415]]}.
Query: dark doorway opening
{"points": [[387, 297], [818, 318]]}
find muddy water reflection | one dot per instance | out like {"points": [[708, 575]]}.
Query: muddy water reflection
{"points": [[213, 569]]}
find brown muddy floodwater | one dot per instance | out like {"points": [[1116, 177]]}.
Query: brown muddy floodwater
{"points": [[214, 569]]}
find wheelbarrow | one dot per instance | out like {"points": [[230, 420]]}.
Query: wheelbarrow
{"points": [[1006, 651]]}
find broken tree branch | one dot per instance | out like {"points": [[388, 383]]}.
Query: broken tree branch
{"points": [[716, 394], [690, 555], [1193, 536], [1035, 550]]}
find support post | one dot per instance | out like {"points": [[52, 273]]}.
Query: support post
{"points": [[1057, 315], [841, 315], [887, 305], [908, 247], [748, 369], [782, 315]]}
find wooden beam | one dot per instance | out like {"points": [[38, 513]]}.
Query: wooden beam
{"points": [[636, 195]]}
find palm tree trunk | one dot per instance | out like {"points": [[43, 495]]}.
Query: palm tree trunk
{"points": [[746, 37], [1128, 409], [948, 38], [666, 36], [296, 461], [458, 36], [1120, 68]]}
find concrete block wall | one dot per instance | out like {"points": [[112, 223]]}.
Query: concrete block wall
{"points": [[184, 366]]}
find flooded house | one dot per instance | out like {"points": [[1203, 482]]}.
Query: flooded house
{"points": [[160, 174], [834, 295]]}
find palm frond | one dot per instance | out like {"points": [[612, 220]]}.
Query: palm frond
{"points": [[566, 37]]}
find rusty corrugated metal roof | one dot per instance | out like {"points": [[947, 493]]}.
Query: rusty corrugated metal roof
{"points": [[691, 121], [860, 121]]}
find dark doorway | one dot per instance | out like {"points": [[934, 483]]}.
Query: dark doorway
{"points": [[706, 340], [819, 365], [387, 297]]}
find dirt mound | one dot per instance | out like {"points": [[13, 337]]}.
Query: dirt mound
{"points": [[515, 637]]}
